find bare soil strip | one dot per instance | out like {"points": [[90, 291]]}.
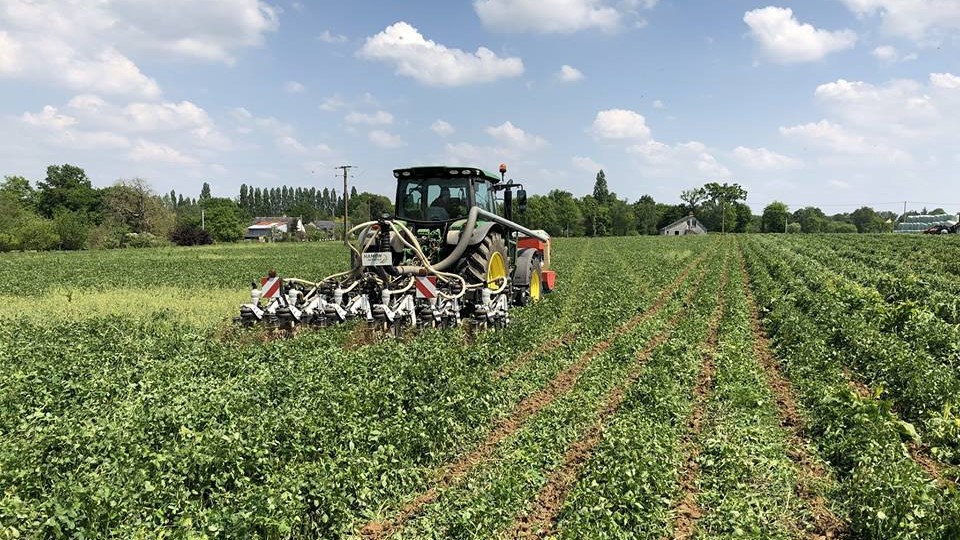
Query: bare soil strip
{"points": [[688, 510], [527, 408], [539, 521], [825, 524]]}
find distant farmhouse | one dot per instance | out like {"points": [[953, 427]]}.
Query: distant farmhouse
{"points": [[687, 225], [325, 225], [269, 228]]}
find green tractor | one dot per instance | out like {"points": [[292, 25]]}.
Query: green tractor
{"points": [[451, 253]]}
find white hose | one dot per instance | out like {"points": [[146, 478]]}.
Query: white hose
{"points": [[418, 250], [405, 289]]}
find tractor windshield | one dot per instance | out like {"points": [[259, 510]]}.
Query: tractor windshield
{"points": [[433, 199]]}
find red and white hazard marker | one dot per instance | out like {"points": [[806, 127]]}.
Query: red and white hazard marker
{"points": [[270, 287], [426, 286]]}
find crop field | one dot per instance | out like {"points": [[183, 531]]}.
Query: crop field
{"points": [[711, 387]]}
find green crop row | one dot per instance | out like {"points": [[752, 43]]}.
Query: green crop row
{"points": [[120, 427], [857, 321], [884, 493], [748, 482], [629, 485], [490, 497]]}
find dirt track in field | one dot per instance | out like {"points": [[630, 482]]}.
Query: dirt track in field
{"points": [[540, 520], [825, 524], [688, 510], [528, 407]]}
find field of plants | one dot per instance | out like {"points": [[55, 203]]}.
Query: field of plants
{"points": [[714, 387]]}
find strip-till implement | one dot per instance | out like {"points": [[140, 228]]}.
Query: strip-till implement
{"points": [[450, 254]]}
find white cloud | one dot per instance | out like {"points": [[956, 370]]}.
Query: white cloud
{"points": [[784, 39], [900, 109], [328, 37], [839, 184], [379, 118], [161, 153], [586, 164], [442, 128], [570, 74], [945, 80], [691, 161], [49, 118], [513, 136], [919, 20], [547, 16], [10, 54], [762, 159], [294, 87], [384, 139], [886, 53], [433, 64], [332, 104], [826, 134], [620, 124], [471, 154], [291, 143], [658, 104]]}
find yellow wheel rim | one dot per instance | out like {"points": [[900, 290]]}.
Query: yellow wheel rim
{"points": [[496, 271], [535, 285]]}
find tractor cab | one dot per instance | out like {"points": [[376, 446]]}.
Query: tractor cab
{"points": [[443, 194]]}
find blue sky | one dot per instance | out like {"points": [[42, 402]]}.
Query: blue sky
{"points": [[829, 102]]}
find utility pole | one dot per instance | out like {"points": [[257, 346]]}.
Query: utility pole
{"points": [[346, 198], [785, 224], [723, 218]]}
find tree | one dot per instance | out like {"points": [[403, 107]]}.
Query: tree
{"points": [[720, 210], [131, 206], [568, 214], [622, 219], [811, 219], [670, 213], [20, 188], [693, 197], [867, 220], [645, 213], [541, 213], [223, 219], [66, 186], [744, 218], [205, 191], [601, 192], [775, 217], [72, 228]]}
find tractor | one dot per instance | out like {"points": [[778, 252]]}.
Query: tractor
{"points": [[450, 255]]}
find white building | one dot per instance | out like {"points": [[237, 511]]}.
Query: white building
{"points": [[273, 227], [686, 225]]}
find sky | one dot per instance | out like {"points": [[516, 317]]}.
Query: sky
{"points": [[834, 103]]}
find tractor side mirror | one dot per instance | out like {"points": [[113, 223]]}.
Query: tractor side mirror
{"points": [[522, 200]]}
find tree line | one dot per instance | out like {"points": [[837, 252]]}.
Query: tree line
{"points": [[603, 213], [718, 206], [64, 211]]}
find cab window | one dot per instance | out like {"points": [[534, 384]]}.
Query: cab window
{"points": [[484, 196]]}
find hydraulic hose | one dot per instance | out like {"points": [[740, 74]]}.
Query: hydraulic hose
{"points": [[458, 250], [414, 245]]}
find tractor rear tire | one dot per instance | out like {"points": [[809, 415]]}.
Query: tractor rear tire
{"points": [[474, 264]]}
